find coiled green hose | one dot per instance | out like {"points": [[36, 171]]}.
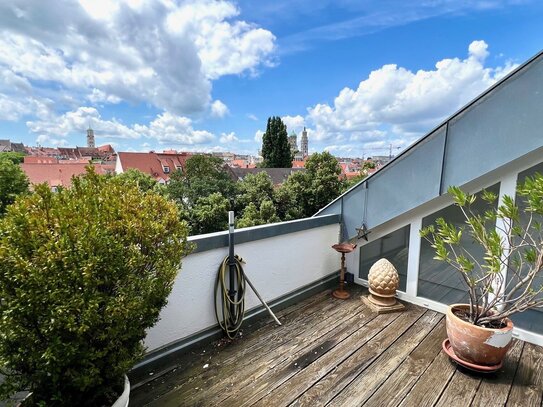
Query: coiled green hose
{"points": [[231, 311]]}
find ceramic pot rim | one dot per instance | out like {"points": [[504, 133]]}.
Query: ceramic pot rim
{"points": [[450, 314]]}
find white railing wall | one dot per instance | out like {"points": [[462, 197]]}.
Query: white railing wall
{"points": [[277, 265]]}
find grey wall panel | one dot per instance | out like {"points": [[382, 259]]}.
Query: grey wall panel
{"points": [[353, 211], [407, 183], [334, 208], [502, 126]]}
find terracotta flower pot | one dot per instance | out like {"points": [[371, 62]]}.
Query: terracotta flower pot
{"points": [[475, 344]]}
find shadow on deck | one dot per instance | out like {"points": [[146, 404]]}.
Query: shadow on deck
{"points": [[333, 352]]}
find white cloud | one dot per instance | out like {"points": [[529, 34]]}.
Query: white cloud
{"points": [[45, 140], [228, 138], [161, 53], [294, 123], [258, 136], [77, 122], [165, 128], [395, 100], [252, 117], [219, 109], [174, 130]]}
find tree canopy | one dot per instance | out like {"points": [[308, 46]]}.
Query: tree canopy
{"points": [[13, 182], [275, 147]]}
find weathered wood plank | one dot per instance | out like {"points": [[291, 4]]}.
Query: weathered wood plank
{"points": [[399, 383], [189, 366], [528, 382], [269, 368], [223, 373], [461, 389], [340, 365], [270, 377], [363, 386], [431, 384], [495, 388]]}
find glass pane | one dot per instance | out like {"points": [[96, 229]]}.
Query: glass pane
{"points": [[394, 247], [531, 320], [437, 280]]}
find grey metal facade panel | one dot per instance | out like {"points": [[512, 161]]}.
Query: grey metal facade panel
{"points": [[333, 208], [502, 126], [353, 211], [407, 183]]}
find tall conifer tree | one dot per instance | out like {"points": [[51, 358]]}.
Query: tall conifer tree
{"points": [[275, 147]]}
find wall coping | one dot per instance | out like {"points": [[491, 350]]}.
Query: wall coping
{"points": [[217, 240]]}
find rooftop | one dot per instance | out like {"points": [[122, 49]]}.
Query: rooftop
{"points": [[333, 352]]}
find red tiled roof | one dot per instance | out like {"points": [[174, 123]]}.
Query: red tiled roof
{"points": [[298, 164], [153, 163], [56, 174]]}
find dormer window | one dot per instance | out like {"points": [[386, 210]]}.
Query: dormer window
{"points": [[178, 168], [166, 169]]}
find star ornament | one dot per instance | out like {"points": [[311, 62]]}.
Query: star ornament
{"points": [[362, 232]]}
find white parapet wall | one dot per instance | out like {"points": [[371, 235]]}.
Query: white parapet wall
{"points": [[277, 265]]}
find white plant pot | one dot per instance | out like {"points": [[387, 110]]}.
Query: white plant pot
{"points": [[124, 398]]}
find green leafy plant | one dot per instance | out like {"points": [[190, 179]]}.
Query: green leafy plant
{"points": [[510, 235], [84, 272]]}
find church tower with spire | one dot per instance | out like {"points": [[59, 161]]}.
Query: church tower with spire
{"points": [[304, 145], [90, 137]]}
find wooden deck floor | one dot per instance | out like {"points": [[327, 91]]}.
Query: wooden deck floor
{"points": [[339, 353]]}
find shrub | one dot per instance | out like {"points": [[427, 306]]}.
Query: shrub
{"points": [[83, 273]]}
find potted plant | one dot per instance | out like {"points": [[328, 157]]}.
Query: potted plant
{"points": [[508, 278], [84, 272]]}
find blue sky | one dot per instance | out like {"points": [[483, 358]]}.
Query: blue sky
{"points": [[205, 75]]}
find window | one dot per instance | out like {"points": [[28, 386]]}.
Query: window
{"points": [[394, 247], [531, 320], [437, 280], [166, 169]]}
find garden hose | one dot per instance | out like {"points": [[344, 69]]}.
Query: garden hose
{"points": [[232, 309]]}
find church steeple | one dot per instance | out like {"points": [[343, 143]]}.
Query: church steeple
{"points": [[304, 144], [90, 137]]}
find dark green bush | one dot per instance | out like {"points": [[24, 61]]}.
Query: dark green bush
{"points": [[83, 273]]}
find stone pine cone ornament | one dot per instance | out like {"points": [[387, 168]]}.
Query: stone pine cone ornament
{"points": [[383, 282]]}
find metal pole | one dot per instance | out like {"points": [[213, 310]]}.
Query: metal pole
{"points": [[232, 265], [261, 300]]}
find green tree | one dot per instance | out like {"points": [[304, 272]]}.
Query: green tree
{"points": [[204, 183], [275, 148], [143, 181], [323, 171], [262, 215], [291, 198], [254, 188], [84, 272], [14, 157], [203, 176], [210, 214], [13, 182]]}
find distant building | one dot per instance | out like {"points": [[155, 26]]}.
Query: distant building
{"points": [[104, 153], [6, 146], [58, 173], [304, 147], [160, 166], [90, 138], [293, 142]]}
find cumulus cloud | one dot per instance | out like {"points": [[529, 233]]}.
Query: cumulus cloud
{"points": [[252, 117], [165, 53], [258, 136], [174, 130], [394, 100], [219, 109], [77, 122], [228, 138], [294, 123], [164, 129]]}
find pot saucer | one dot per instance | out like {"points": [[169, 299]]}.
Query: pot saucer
{"points": [[447, 348]]}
